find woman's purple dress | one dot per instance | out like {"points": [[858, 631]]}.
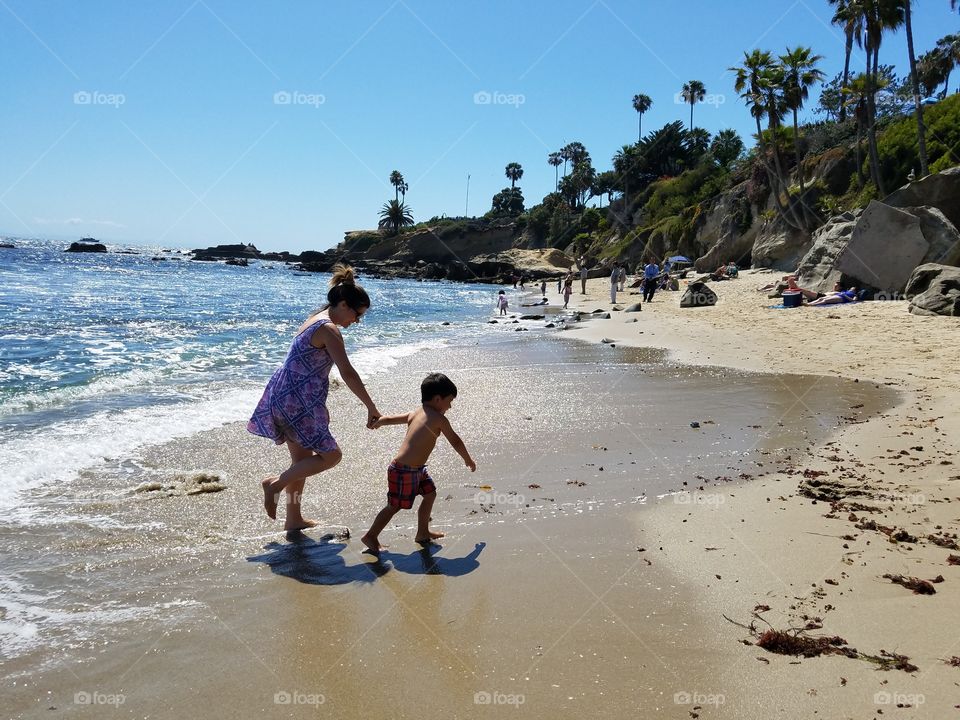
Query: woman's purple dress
{"points": [[294, 405]]}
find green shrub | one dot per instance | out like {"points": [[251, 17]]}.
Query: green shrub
{"points": [[898, 147]]}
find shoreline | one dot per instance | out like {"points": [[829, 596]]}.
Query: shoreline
{"points": [[596, 624], [801, 557]]}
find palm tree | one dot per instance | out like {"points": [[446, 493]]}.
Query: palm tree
{"points": [[949, 49], [641, 103], [726, 146], [852, 22], [856, 97], [514, 172], [698, 142], [921, 131], [396, 179], [693, 92], [750, 81], [800, 74], [555, 160], [403, 191], [395, 215]]}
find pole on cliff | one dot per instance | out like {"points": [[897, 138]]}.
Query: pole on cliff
{"points": [[466, 205]]}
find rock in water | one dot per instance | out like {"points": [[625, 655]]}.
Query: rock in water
{"points": [[633, 308]]}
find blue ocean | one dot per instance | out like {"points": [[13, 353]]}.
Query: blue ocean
{"points": [[103, 354]]}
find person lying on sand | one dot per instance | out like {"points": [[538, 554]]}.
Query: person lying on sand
{"points": [[407, 475], [843, 296]]}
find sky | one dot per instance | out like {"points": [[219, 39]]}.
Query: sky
{"points": [[192, 123]]}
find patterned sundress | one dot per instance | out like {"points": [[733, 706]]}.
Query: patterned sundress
{"points": [[294, 404]]}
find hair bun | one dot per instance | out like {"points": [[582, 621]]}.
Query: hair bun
{"points": [[342, 275]]}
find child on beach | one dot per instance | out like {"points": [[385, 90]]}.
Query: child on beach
{"points": [[407, 475], [293, 407], [502, 302], [567, 291]]}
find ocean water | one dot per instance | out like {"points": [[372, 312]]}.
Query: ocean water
{"points": [[104, 354]]}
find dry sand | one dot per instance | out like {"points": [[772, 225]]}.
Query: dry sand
{"points": [[764, 544]]}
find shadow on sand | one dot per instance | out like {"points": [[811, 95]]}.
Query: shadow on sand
{"points": [[320, 562]]}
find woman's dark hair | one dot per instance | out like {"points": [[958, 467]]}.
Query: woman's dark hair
{"points": [[343, 287], [436, 384]]}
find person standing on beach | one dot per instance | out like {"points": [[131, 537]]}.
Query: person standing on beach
{"points": [[293, 407], [567, 291], [650, 274], [614, 279], [583, 276], [502, 302], [543, 288], [623, 276], [407, 475]]}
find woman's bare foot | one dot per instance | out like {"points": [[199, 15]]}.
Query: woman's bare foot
{"points": [[373, 544], [298, 524], [269, 498], [431, 535]]}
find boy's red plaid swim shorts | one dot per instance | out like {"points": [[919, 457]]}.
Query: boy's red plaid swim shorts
{"points": [[404, 483]]}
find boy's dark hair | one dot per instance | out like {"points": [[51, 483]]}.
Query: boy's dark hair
{"points": [[436, 384]]}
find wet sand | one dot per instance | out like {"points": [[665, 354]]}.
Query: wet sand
{"points": [[539, 599]]}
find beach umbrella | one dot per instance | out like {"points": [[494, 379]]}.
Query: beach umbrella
{"points": [[678, 258]]}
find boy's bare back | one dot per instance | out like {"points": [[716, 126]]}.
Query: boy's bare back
{"points": [[424, 426]]}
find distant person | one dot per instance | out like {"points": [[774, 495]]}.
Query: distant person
{"points": [[293, 407], [502, 302], [515, 279], [583, 276], [560, 284], [651, 273], [732, 270], [834, 298], [614, 279], [407, 475], [523, 279], [543, 288], [567, 291], [623, 276]]}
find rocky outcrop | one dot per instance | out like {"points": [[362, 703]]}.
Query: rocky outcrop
{"points": [[226, 252], [727, 231], [86, 247], [878, 247], [934, 290], [941, 190]]}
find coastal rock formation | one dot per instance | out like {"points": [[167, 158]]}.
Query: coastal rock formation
{"points": [[698, 294], [86, 247], [878, 247], [7, 246], [941, 190], [934, 290], [226, 252]]}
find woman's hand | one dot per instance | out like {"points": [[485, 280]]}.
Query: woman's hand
{"points": [[373, 415]]}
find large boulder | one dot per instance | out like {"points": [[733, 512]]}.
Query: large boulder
{"points": [[943, 236], [698, 294], [726, 231], [941, 190], [226, 252], [934, 290], [885, 247], [817, 270], [779, 247]]}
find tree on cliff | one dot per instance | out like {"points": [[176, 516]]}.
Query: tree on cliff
{"points": [[693, 92], [555, 160], [641, 103], [395, 215], [508, 201], [514, 172], [396, 179], [800, 74], [726, 147]]}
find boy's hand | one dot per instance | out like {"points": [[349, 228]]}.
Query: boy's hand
{"points": [[471, 464], [374, 421]]}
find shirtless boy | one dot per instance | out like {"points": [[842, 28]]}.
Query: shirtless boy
{"points": [[407, 475]]}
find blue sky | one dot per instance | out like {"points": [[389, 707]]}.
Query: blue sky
{"points": [[189, 123]]}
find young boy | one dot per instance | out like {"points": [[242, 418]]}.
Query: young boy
{"points": [[407, 475]]}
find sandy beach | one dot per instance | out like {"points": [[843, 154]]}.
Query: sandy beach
{"points": [[590, 562], [764, 544]]}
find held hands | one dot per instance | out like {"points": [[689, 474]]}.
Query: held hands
{"points": [[373, 419]]}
